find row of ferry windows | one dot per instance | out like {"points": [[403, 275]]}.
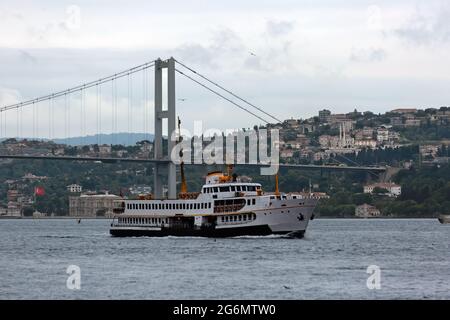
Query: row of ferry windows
{"points": [[168, 206], [239, 217], [142, 220], [229, 189]]}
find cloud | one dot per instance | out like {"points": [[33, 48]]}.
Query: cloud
{"points": [[224, 45], [423, 28], [368, 55], [279, 28]]}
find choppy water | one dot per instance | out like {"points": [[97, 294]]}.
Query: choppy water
{"points": [[330, 263]]}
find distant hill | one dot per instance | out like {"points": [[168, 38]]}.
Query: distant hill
{"points": [[123, 138]]}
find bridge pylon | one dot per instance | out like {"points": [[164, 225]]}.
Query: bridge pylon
{"points": [[168, 112]]}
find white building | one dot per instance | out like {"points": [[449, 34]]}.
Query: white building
{"points": [[104, 149], [382, 134], [394, 190], [93, 205], [366, 211], [141, 189], [74, 188], [366, 143]]}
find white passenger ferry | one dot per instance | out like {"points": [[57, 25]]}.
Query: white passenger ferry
{"points": [[225, 207]]}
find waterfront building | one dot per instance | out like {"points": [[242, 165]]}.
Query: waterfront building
{"points": [[92, 205], [366, 211]]}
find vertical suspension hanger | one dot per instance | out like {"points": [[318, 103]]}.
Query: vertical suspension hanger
{"points": [[100, 113]]}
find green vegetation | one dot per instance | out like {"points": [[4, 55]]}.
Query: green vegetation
{"points": [[425, 193]]}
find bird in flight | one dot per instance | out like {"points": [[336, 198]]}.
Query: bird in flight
{"points": [[182, 99], [252, 54]]}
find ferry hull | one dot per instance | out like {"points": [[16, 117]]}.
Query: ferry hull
{"points": [[260, 230]]}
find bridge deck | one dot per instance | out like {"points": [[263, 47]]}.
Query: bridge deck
{"points": [[137, 160]]}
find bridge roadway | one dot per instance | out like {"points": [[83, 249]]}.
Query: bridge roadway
{"points": [[137, 160]]}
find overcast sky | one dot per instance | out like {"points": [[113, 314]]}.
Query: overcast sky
{"points": [[290, 57]]}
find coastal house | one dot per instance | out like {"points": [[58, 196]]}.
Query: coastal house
{"points": [[366, 211]]}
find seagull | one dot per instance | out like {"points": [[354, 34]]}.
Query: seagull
{"points": [[182, 99], [251, 53], [286, 287]]}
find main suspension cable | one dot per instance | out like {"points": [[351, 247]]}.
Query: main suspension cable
{"points": [[228, 91], [81, 87], [220, 95]]}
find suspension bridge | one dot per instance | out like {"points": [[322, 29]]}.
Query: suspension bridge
{"points": [[99, 106]]}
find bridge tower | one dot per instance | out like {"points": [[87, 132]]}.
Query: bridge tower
{"points": [[168, 112]]}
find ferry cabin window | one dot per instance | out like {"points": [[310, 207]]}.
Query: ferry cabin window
{"points": [[253, 201], [209, 205], [245, 217], [251, 188], [233, 188], [248, 202], [238, 188], [224, 189], [216, 189]]}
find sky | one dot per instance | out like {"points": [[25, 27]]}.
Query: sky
{"points": [[292, 58]]}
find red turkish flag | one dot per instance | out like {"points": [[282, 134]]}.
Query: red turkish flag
{"points": [[39, 191]]}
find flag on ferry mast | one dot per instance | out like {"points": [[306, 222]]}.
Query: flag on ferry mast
{"points": [[39, 191]]}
